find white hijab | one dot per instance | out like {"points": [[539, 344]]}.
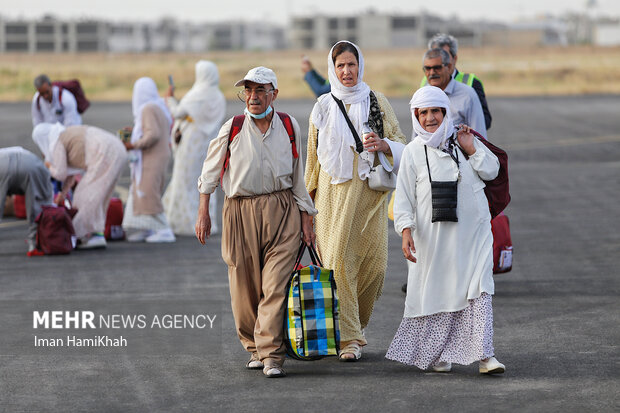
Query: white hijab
{"points": [[432, 97], [45, 135], [336, 141], [144, 92], [205, 102]]}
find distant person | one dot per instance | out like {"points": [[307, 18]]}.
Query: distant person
{"points": [[23, 173], [144, 218], [198, 118], [51, 106], [450, 44], [266, 211], [351, 225], [99, 157], [447, 239], [464, 103], [317, 83]]}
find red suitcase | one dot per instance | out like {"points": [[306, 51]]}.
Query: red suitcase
{"points": [[502, 244], [114, 221]]}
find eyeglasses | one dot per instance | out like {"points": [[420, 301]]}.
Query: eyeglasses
{"points": [[436, 68], [259, 92]]}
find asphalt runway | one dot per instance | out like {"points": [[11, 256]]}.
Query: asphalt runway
{"points": [[556, 314]]}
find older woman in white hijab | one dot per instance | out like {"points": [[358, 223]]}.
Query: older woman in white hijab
{"points": [[93, 152], [351, 230], [144, 218], [448, 314], [198, 118]]}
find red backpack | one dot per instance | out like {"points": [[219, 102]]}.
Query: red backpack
{"points": [[55, 230], [76, 90], [236, 126]]}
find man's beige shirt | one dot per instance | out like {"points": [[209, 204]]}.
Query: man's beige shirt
{"points": [[259, 164]]}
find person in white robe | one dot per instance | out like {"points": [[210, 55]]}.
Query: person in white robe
{"points": [[198, 118], [448, 315]]}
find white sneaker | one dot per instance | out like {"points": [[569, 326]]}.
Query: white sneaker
{"points": [[162, 235], [491, 366], [273, 371], [92, 242], [139, 236], [442, 367]]}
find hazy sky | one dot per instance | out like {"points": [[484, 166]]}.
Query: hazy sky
{"points": [[279, 10]]}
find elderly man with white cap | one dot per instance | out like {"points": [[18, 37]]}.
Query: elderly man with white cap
{"points": [[257, 159]]}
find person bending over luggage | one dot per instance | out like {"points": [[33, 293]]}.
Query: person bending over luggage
{"points": [[266, 210], [23, 173], [351, 226], [51, 104], [100, 156], [447, 241]]}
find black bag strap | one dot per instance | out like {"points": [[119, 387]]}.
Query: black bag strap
{"points": [[314, 256], [427, 166], [359, 147]]}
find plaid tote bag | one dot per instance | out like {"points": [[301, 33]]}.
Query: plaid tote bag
{"points": [[311, 322]]}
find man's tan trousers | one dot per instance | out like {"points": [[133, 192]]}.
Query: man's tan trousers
{"points": [[260, 240]]}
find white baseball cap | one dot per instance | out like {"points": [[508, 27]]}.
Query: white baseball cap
{"points": [[260, 74]]}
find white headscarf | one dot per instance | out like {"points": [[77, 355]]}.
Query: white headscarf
{"points": [[144, 92], [45, 135], [205, 102], [335, 137], [432, 97]]}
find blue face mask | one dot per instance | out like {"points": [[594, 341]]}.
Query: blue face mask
{"points": [[262, 115]]}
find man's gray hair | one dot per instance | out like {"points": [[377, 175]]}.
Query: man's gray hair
{"points": [[440, 40], [41, 80], [433, 53]]}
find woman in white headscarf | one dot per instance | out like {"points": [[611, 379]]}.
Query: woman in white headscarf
{"points": [[351, 227], [448, 314], [144, 218], [96, 154], [198, 118]]}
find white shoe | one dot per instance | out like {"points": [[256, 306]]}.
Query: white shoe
{"points": [[139, 236], [442, 367], [92, 242], [273, 371], [491, 366], [162, 235], [254, 363]]}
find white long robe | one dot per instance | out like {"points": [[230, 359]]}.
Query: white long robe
{"points": [[454, 259]]}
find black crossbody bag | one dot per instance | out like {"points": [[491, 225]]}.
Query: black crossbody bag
{"points": [[444, 195]]}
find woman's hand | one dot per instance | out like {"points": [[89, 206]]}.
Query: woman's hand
{"points": [[466, 139], [373, 143], [170, 92], [203, 222], [128, 145], [408, 245], [307, 229]]}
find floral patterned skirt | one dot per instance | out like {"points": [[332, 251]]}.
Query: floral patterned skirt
{"points": [[461, 337]]}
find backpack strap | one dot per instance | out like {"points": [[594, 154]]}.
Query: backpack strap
{"points": [[288, 125], [59, 97], [235, 128]]}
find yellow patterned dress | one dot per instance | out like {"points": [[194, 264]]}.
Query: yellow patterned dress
{"points": [[351, 230]]}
